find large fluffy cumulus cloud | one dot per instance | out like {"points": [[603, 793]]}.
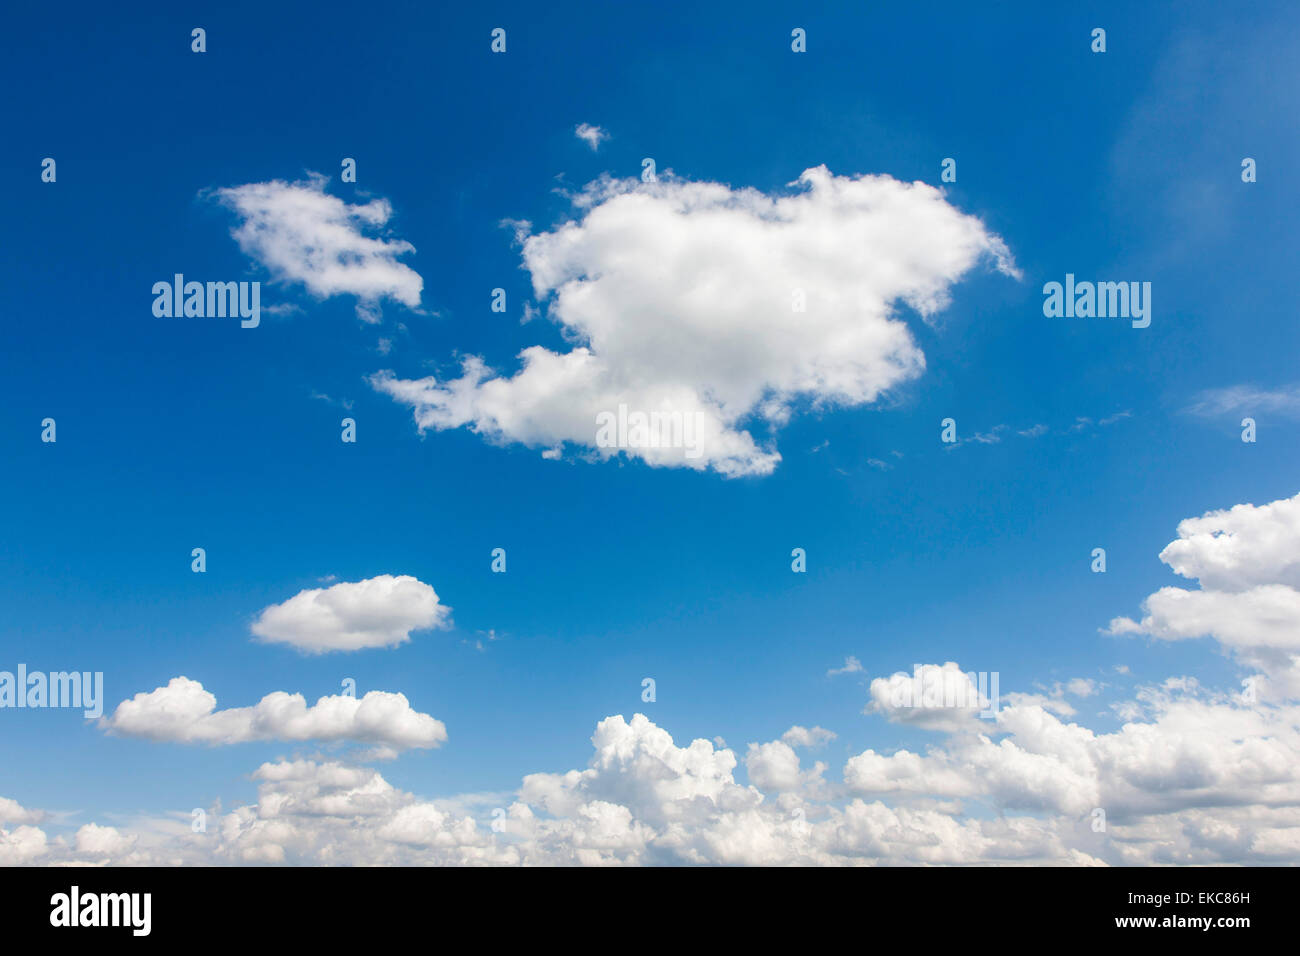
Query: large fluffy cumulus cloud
{"points": [[680, 297], [1241, 547]]}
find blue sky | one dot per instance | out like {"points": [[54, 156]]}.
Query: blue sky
{"points": [[183, 433]]}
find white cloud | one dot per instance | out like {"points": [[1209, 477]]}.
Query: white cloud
{"points": [[1263, 617], [96, 841], [932, 697], [1247, 561], [680, 298], [637, 764], [1197, 759], [184, 712], [641, 800], [798, 736], [851, 666], [24, 844], [1248, 400], [299, 233], [992, 437], [593, 136], [377, 612], [1081, 687], [774, 767], [13, 812], [1240, 548]]}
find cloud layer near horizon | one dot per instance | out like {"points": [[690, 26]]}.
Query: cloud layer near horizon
{"points": [[1190, 776]]}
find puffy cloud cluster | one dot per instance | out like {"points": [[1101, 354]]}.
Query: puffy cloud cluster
{"points": [[349, 616], [1247, 561], [1191, 776], [724, 307], [1197, 759], [641, 800], [300, 233], [184, 712], [23, 844], [1202, 779]]}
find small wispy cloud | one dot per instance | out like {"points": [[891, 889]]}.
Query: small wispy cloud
{"points": [[1235, 399], [1075, 687], [991, 437], [477, 643], [1081, 424], [281, 308], [344, 403], [593, 136], [851, 666]]}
